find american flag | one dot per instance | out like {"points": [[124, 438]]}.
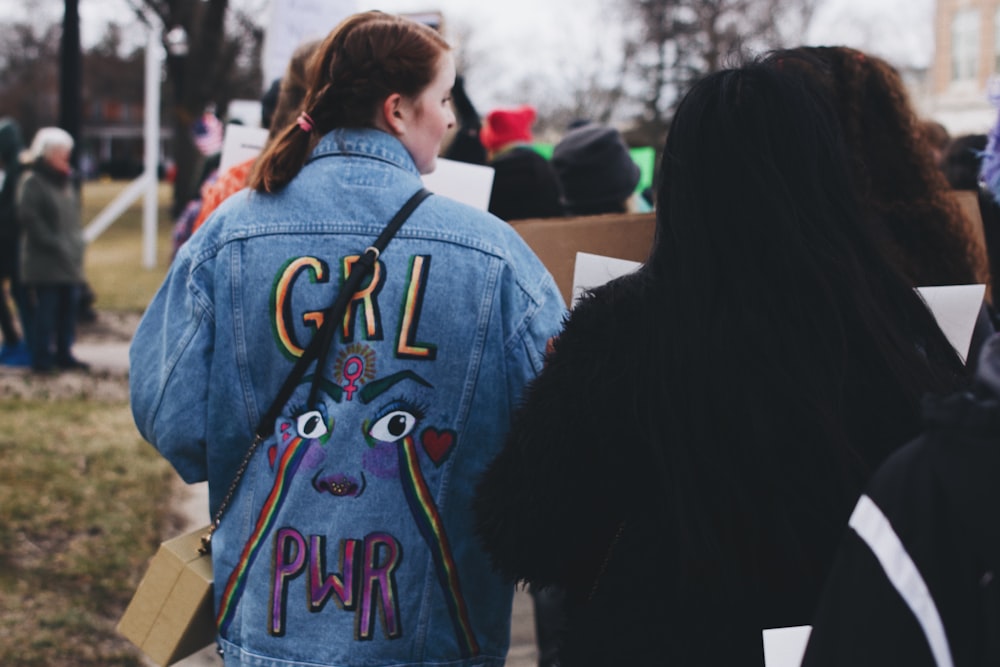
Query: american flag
{"points": [[208, 133]]}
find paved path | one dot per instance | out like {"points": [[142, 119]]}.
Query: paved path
{"points": [[192, 503]]}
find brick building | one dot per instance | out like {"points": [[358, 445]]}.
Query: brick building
{"points": [[966, 65]]}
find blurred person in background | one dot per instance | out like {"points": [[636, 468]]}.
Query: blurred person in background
{"points": [[937, 137], [905, 195], [465, 145], [278, 114], [524, 183], [596, 172], [963, 164], [915, 582], [48, 210], [15, 347]]}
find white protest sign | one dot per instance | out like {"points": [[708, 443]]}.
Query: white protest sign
{"points": [[468, 183], [591, 271], [294, 22], [241, 143], [784, 647], [956, 308]]}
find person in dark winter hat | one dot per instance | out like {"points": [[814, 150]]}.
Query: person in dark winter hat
{"points": [[524, 184], [596, 173], [52, 249]]}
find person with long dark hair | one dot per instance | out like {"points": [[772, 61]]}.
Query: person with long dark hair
{"points": [[685, 464], [349, 536]]}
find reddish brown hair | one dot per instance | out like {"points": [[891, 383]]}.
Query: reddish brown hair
{"points": [[906, 195], [365, 59]]}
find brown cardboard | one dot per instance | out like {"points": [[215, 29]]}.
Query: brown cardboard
{"points": [[630, 236], [557, 240], [171, 614]]}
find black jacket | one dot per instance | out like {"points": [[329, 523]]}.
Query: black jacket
{"points": [[592, 494], [932, 507]]}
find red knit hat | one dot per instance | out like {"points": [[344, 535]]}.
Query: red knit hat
{"points": [[503, 126]]}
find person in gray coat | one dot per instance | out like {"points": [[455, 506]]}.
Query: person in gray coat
{"points": [[52, 249]]}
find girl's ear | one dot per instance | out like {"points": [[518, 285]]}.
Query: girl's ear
{"points": [[393, 114]]}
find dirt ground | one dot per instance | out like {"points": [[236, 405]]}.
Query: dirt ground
{"points": [[106, 382]]}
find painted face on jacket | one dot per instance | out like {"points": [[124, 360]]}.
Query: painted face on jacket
{"points": [[342, 457]]}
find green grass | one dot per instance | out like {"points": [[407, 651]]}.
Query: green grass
{"points": [[83, 500], [113, 262]]}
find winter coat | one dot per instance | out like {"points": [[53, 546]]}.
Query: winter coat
{"points": [[917, 580], [350, 538], [589, 494], [48, 209]]}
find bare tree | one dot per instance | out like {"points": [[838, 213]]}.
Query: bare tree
{"points": [[213, 57], [675, 42], [29, 57]]}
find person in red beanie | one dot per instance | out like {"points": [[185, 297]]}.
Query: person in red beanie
{"points": [[524, 183]]}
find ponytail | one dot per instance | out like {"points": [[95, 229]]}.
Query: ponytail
{"points": [[364, 60]]}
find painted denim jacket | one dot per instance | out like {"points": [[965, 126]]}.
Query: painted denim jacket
{"points": [[349, 540]]}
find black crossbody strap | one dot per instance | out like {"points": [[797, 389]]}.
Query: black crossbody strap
{"points": [[365, 265]]}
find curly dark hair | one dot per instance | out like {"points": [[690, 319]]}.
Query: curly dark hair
{"points": [[906, 195]]}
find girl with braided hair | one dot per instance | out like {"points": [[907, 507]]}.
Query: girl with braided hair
{"points": [[348, 539]]}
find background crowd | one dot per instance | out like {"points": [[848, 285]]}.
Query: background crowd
{"points": [[699, 451]]}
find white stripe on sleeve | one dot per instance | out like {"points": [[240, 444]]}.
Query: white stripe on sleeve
{"points": [[874, 528]]}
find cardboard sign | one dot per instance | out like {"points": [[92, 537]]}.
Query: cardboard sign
{"points": [[171, 614], [557, 241]]}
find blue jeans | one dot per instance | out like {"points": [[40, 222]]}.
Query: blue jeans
{"points": [[51, 315]]}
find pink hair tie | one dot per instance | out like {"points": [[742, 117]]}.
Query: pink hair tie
{"points": [[305, 122]]}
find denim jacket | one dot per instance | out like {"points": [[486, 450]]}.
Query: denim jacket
{"points": [[349, 540]]}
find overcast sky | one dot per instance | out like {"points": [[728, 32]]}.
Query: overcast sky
{"points": [[512, 39], [897, 29]]}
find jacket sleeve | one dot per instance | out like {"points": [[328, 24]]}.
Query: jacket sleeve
{"points": [[38, 217], [541, 509], [169, 363]]}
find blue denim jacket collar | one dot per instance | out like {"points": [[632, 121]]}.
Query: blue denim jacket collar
{"points": [[365, 142]]}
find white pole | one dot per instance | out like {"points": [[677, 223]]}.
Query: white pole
{"points": [[151, 141]]}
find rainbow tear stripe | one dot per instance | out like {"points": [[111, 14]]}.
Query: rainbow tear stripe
{"points": [[265, 521], [426, 515]]}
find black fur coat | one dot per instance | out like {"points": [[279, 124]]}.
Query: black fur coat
{"points": [[590, 495]]}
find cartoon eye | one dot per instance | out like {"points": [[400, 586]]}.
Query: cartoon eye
{"points": [[311, 424], [393, 426]]}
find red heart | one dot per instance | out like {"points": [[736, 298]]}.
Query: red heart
{"points": [[437, 444]]}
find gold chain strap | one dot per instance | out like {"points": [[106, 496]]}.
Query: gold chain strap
{"points": [[206, 539]]}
